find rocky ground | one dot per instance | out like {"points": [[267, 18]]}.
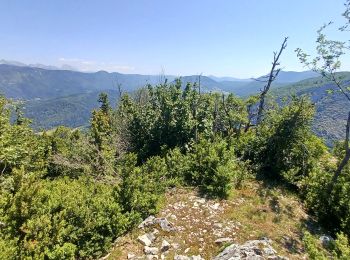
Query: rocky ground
{"points": [[256, 222]]}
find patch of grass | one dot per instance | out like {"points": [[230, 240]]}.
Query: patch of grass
{"points": [[269, 212], [255, 210]]}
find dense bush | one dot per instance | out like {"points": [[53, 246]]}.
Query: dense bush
{"points": [[332, 207], [58, 219], [167, 116], [19, 146], [214, 167], [141, 187], [336, 249], [210, 165], [69, 155], [284, 146]]}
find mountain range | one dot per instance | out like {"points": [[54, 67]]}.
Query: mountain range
{"points": [[28, 82], [53, 97]]}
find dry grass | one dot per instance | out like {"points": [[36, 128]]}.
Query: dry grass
{"points": [[251, 212]]}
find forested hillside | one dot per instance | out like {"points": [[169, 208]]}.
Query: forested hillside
{"points": [[71, 111], [28, 83], [331, 105]]}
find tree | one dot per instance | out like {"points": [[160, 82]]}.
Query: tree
{"points": [[327, 63], [270, 78], [103, 100]]}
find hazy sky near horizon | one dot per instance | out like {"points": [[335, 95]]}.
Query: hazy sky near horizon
{"points": [[214, 37]]}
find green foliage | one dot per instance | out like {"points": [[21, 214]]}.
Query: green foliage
{"points": [[284, 146], [214, 167], [61, 218], [210, 165], [8, 248], [157, 117], [166, 116], [103, 100], [15, 141], [140, 187], [341, 247], [313, 248], [332, 208], [178, 167], [336, 249], [67, 194], [69, 155]]}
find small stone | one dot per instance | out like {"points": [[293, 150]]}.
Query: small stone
{"points": [[173, 217], [269, 251], [181, 257], [216, 206], [217, 225], [165, 225], [175, 245], [325, 240], [201, 200], [250, 250], [147, 239], [187, 250], [151, 250], [165, 246], [131, 256], [147, 222]]}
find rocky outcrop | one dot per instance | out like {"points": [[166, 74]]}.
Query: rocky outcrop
{"points": [[195, 228], [253, 249]]}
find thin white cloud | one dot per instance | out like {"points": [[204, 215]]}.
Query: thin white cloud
{"points": [[88, 65]]}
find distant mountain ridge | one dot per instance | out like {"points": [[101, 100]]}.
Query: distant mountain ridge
{"points": [[21, 81], [38, 65]]}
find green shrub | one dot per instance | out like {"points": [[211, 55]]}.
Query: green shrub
{"points": [[61, 218], [285, 147], [332, 208], [214, 167], [336, 249], [314, 248], [141, 187], [8, 247], [178, 167], [69, 155], [341, 247], [19, 146]]}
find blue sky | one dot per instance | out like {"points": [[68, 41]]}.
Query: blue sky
{"points": [[223, 38]]}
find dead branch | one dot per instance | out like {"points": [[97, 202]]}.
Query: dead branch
{"points": [[271, 77]]}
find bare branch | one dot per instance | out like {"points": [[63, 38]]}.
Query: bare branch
{"points": [[272, 76]]}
